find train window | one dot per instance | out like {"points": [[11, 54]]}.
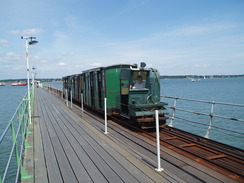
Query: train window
{"points": [[124, 86], [139, 80]]}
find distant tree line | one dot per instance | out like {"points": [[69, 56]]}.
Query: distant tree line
{"points": [[200, 76]]}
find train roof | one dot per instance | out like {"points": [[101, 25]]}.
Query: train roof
{"points": [[101, 68], [110, 67], [93, 69], [73, 75], [120, 66]]}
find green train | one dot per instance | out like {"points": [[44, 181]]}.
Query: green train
{"points": [[132, 92]]}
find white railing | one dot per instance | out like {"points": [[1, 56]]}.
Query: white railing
{"points": [[193, 110]]}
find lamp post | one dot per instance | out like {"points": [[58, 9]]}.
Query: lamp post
{"points": [[28, 41]]}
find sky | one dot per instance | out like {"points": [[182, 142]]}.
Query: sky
{"points": [[178, 37]]}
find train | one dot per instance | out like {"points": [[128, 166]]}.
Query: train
{"points": [[132, 93]]}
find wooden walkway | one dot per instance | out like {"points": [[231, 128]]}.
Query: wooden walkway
{"points": [[70, 149]]}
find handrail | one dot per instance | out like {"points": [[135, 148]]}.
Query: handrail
{"points": [[19, 122], [211, 114], [203, 101]]}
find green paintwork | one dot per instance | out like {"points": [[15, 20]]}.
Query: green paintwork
{"points": [[112, 79]]}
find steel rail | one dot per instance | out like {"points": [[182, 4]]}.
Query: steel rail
{"points": [[203, 101], [8, 126]]}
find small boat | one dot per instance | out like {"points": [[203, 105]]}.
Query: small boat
{"points": [[18, 84], [2, 84]]}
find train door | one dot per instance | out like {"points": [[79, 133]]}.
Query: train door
{"points": [[87, 89], [92, 88], [99, 83], [124, 91]]}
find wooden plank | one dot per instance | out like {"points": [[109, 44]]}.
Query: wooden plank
{"points": [[187, 145], [64, 134], [111, 163], [90, 167], [64, 165], [121, 155], [96, 157], [54, 174], [217, 156], [39, 158]]}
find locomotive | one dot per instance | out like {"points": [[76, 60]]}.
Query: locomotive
{"points": [[132, 92]]}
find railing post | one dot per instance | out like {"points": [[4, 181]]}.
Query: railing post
{"points": [[71, 102], [66, 96], [62, 93], [210, 121], [173, 114], [105, 115], [159, 169], [81, 102]]}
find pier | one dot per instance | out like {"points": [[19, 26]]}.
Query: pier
{"points": [[67, 147]]}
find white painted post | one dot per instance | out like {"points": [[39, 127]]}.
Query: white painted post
{"points": [[210, 122], [105, 115], [62, 93], [159, 169], [81, 102], [71, 104], [173, 114], [66, 95]]}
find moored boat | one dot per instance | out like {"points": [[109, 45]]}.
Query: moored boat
{"points": [[2, 84], [18, 84]]}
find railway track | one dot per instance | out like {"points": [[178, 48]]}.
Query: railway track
{"points": [[220, 157], [225, 159]]}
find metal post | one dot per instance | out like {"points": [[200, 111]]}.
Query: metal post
{"points": [[33, 81], [66, 95], [81, 99], [173, 114], [71, 104], [210, 122], [105, 115], [62, 93], [28, 69], [159, 169], [28, 78]]}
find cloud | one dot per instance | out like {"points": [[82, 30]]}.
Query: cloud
{"points": [[198, 30], [61, 64], [31, 31], [4, 42], [96, 64]]}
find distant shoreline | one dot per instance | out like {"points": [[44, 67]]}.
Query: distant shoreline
{"points": [[161, 77], [200, 76]]}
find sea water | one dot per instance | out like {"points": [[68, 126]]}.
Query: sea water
{"points": [[227, 90], [10, 98]]}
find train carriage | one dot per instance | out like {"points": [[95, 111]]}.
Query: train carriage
{"points": [[119, 84], [112, 86]]}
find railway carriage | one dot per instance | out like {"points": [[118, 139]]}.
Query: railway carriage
{"points": [[118, 84]]}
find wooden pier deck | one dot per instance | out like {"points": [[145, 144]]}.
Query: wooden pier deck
{"points": [[70, 149]]}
